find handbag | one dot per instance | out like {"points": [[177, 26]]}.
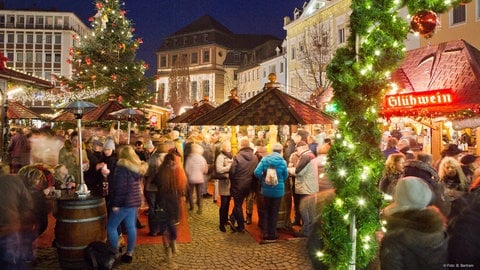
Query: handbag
{"points": [[159, 215], [271, 178]]}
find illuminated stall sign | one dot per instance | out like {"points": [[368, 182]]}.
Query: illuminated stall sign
{"points": [[419, 99]]}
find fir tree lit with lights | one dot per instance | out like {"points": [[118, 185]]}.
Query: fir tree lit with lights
{"points": [[104, 62], [359, 73]]}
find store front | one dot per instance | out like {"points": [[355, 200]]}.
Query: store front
{"points": [[435, 98]]}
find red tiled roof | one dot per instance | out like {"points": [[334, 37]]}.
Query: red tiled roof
{"points": [[193, 113], [216, 113], [451, 65], [18, 111], [273, 107]]}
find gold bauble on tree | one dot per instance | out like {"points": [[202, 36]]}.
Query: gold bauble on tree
{"points": [[424, 23]]}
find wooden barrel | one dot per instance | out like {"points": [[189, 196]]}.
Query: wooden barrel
{"points": [[285, 210], [79, 222]]}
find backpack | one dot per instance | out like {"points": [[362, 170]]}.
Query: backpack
{"points": [[100, 256], [271, 178]]}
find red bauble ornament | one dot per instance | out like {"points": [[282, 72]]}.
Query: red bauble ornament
{"points": [[114, 77], [424, 22], [88, 61]]}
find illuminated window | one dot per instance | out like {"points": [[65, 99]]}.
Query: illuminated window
{"points": [[194, 92], [206, 88]]}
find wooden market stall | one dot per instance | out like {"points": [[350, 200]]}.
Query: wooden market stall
{"points": [[435, 87]]}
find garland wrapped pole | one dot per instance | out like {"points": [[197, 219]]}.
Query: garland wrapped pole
{"points": [[360, 76]]}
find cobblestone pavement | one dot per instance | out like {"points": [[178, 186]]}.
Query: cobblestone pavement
{"points": [[209, 249]]}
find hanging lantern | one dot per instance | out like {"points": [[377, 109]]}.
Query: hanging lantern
{"points": [[424, 22]]}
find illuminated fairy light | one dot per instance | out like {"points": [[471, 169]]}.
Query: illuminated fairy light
{"points": [[338, 202], [319, 254], [338, 136], [362, 202], [377, 52], [366, 246], [342, 172], [345, 217]]}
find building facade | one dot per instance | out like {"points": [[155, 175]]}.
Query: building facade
{"points": [[37, 42], [313, 34], [208, 55]]}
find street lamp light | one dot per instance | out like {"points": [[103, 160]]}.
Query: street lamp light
{"points": [[78, 108]]}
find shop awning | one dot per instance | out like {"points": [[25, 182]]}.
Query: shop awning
{"points": [[451, 66]]}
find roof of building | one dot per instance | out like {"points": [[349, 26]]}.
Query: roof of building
{"points": [[453, 65], [217, 34]]}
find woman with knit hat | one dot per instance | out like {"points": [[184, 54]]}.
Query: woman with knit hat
{"points": [[415, 236]]}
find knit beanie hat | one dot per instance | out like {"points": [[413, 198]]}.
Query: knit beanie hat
{"points": [[109, 144], [411, 193], [149, 144]]}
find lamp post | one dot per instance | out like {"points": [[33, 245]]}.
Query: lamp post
{"points": [[78, 108]]}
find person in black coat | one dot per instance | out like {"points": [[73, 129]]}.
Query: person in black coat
{"points": [[241, 178]]}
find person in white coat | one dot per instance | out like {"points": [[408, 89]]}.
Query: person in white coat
{"points": [[196, 169]]}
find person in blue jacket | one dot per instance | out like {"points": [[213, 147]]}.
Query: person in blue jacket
{"points": [[272, 193]]}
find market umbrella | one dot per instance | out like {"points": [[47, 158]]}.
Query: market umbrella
{"points": [[193, 113], [129, 114], [272, 107]]}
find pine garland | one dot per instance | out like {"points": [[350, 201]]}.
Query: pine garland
{"points": [[359, 74]]}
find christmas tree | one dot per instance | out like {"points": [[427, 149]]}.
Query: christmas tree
{"points": [[346, 231], [104, 62]]}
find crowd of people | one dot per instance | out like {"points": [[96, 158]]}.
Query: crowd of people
{"points": [[432, 221], [434, 203]]}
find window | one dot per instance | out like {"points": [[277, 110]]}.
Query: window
{"points": [[39, 21], [206, 56], [29, 56], [20, 38], [20, 20], [30, 20], [11, 19], [194, 59], [38, 57], [48, 39], [2, 38], [19, 57], [38, 38], [264, 73], [58, 58], [58, 21], [10, 38], [281, 67], [48, 57], [341, 36], [236, 57], [206, 88], [29, 38], [174, 60], [194, 92], [163, 61], [184, 59], [58, 39], [293, 53], [49, 21], [459, 15]]}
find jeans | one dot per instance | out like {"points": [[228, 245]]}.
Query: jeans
{"points": [[129, 216], [238, 198], [198, 190], [223, 210], [270, 217], [307, 211]]}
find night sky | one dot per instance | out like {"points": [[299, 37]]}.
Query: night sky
{"points": [[153, 20]]}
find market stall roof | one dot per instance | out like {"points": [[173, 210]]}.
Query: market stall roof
{"points": [[272, 106], [9, 74], [18, 111], [193, 113], [435, 70], [218, 112], [101, 113]]}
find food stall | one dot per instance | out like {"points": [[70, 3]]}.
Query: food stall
{"points": [[435, 97]]}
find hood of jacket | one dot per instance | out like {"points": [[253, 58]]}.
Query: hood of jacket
{"points": [[421, 169], [421, 230], [246, 154], [136, 168]]}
